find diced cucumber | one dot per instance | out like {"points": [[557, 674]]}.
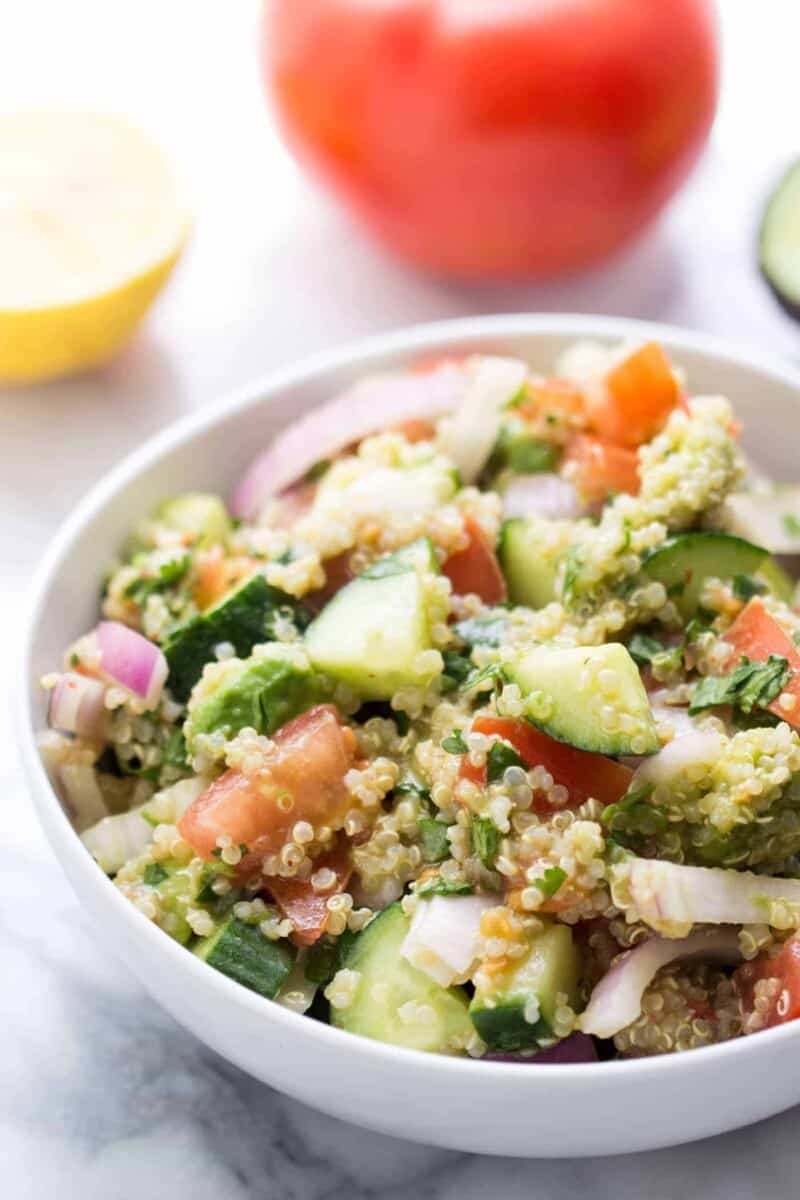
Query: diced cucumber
{"points": [[200, 514], [514, 1009], [591, 697], [684, 563], [419, 555], [520, 452], [243, 953], [243, 618], [374, 634], [389, 988], [530, 572], [260, 693], [778, 581]]}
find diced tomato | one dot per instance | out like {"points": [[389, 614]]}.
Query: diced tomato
{"points": [[302, 779], [582, 773], [338, 572], [416, 429], [637, 397], [305, 907], [215, 575], [599, 469], [557, 397], [476, 569], [784, 968], [756, 634]]}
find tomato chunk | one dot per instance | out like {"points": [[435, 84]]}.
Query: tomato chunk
{"points": [[553, 399], [305, 907], [582, 773], [637, 397], [784, 993], [600, 469], [215, 575], [476, 569], [302, 779], [756, 634], [416, 429]]}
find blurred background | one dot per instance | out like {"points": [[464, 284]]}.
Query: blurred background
{"points": [[274, 270]]}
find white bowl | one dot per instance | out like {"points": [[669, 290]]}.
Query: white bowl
{"points": [[494, 1108]]}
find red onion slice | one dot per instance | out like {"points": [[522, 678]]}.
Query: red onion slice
{"points": [[542, 495], [130, 661], [77, 706], [577, 1048], [617, 999], [372, 405]]}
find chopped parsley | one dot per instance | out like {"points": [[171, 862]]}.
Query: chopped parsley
{"points": [[457, 669], [634, 816], [499, 758], [442, 887], [791, 524], [746, 586], [454, 743], [643, 648], [154, 874], [551, 881], [485, 840], [165, 576], [751, 685], [434, 841]]}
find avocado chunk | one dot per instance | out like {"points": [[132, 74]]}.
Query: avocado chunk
{"points": [[262, 693], [514, 1009], [199, 514], [591, 697], [244, 618]]}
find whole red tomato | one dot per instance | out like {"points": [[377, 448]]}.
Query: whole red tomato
{"points": [[496, 137]]}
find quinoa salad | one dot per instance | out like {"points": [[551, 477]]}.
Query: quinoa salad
{"points": [[470, 722]]}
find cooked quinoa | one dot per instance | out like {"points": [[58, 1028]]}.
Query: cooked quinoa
{"points": [[475, 721]]}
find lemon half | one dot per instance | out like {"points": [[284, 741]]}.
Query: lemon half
{"points": [[91, 225]]}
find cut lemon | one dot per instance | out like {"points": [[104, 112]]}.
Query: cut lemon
{"points": [[91, 225]]}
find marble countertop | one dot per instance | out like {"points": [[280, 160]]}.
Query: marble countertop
{"points": [[103, 1095]]}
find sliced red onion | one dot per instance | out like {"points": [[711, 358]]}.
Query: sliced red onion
{"points": [[372, 405], [77, 706], [693, 749], [468, 437], [672, 898], [577, 1048], [444, 937], [542, 495], [115, 840], [130, 661], [617, 999]]}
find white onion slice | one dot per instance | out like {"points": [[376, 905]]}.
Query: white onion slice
{"points": [[468, 437], [77, 705], [114, 840], [130, 661], [692, 749], [542, 495], [374, 404], [617, 999], [676, 714], [444, 937], [77, 783], [671, 898]]}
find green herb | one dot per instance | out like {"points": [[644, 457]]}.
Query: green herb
{"points": [[485, 837], [500, 757], [745, 587], [530, 456], [154, 874], [634, 816], [669, 660], [166, 575], [572, 573], [441, 887], [74, 659], [643, 648], [492, 673], [551, 881], [175, 749], [457, 669], [677, 588], [751, 685], [481, 631], [434, 840], [626, 541], [454, 743], [326, 956], [385, 567], [696, 627], [409, 785], [317, 471], [791, 524]]}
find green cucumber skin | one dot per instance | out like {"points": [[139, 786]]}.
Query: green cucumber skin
{"points": [[530, 580], [241, 618], [241, 952], [690, 558], [504, 1027]]}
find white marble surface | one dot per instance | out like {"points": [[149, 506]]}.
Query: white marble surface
{"points": [[102, 1094]]}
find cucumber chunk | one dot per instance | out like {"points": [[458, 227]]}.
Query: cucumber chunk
{"points": [[241, 952], [200, 514], [779, 241], [389, 987], [514, 1009], [591, 697], [374, 634], [245, 617], [530, 572], [684, 563]]}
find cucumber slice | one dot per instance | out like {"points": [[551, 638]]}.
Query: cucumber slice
{"points": [[530, 574], [374, 633], [514, 1009], [388, 984], [419, 555], [241, 952], [778, 581], [200, 514], [779, 241], [684, 563], [245, 617], [591, 697]]}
